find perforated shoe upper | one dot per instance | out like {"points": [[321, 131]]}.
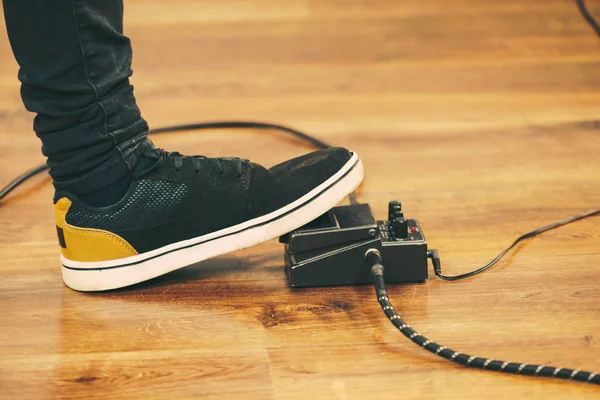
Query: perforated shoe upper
{"points": [[175, 197]]}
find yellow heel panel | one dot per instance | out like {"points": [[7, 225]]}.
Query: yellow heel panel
{"points": [[87, 244]]}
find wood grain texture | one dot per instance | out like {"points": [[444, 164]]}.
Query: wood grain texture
{"points": [[482, 117]]}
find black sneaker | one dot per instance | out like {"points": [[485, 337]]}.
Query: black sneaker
{"points": [[180, 210]]}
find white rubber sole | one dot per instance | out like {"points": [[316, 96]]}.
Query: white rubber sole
{"points": [[106, 275]]}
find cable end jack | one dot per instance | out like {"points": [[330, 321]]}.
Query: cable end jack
{"points": [[373, 258], [435, 261]]}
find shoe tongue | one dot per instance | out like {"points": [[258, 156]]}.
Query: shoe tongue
{"points": [[144, 164], [146, 147], [149, 158]]}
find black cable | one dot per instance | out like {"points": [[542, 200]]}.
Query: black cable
{"points": [[587, 16], [437, 267], [243, 125], [20, 179], [377, 270], [207, 125], [433, 254]]}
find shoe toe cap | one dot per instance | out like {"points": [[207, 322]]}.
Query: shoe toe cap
{"points": [[296, 177], [313, 168], [287, 182]]}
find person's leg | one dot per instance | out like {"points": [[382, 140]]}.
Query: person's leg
{"points": [[125, 211], [74, 67]]}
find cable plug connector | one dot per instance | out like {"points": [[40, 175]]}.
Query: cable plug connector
{"points": [[435, 261], [373, 258]]}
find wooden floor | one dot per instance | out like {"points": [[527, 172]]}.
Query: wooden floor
{"points": [[481, 116]]}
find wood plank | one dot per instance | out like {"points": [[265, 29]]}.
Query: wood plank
{"points": [[140, 375], [390, 371]]}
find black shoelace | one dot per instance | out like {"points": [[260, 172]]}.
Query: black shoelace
{"points": [[197, 161]]}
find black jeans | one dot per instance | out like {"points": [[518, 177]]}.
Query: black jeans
{"points": [[75, 65]]}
